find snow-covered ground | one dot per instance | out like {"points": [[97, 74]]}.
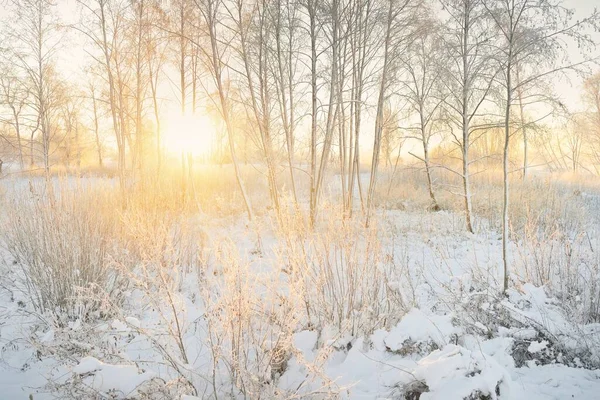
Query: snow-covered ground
{"points": [[458, 337]]}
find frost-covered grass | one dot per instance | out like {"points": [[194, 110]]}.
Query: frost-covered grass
{"points": [[211, 306]]}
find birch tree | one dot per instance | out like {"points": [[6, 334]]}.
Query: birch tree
{"points": [[252, 29], [93, 95], [398, 31], [422, 91], [534, 34], [285, 17], [35, 40], [102, 24], [14, 95], [468, 77], [210, 12]]}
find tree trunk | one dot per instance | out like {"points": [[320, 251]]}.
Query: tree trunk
{"points": [[379, 117], [466, 120], [18, 132], [313, 130], [523, 125], [434, 203], [505, 179], [332, 108], [113, 107], [96, 129], [224, 105]]}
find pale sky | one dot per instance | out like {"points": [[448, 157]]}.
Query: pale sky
{"points": [[72, 60], [571, 90]]}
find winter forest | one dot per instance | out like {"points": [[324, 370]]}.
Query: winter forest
{"points": [[299, 199]]}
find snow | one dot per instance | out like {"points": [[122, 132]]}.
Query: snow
{"points": [[119, 379], [455, 373], [431, 343], [48, 336], [87, 365], [417, 327], [536, 347], [133, 322], [120, 326], [306, 341]]}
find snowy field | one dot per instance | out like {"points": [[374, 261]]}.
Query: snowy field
{"points": [[210, 306]]}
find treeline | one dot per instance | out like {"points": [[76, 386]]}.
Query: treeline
{"points": [[304, 83]]}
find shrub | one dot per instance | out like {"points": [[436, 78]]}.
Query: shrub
{"points": [[344, 274], [62, 241]]}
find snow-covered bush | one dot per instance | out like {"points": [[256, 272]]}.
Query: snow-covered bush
{"points": [[62, 240], [346, 278], [249, 326], [418, 333], [567, 264], [456, 373]]}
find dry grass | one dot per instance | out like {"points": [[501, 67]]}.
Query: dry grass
{"points": [[553, 226], [62, 240], [78, 244], [552, 197], [342, 274]]}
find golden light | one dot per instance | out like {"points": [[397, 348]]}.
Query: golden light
{"points": [[193, 134]]}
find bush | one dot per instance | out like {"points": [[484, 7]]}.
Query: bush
{"points": [[62, 243], [345, 276]]}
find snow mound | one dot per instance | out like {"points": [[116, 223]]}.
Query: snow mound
{"points": [[118, 380], [420, 333], [305, 342], [536, 347], [455, 373]]}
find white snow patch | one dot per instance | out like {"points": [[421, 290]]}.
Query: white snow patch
{"points": [[455, 373], [418, 327], [306, 341], [536, 347], [120, 326], [133, 322], [48, 336], [122, 379]]}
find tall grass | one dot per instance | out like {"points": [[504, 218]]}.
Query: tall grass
{"points": [[343, 274], [79, 245], [553, 227], [62, 239]]}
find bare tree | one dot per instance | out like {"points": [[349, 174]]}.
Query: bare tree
{"points": [[96, 120], [157, 44], [35, 41], [399, 25], [285, 17], [103, 26], [210, 11], [468, 77], [533, 35], [311, 7], [15, 96], [423, 93], [252, 29]]}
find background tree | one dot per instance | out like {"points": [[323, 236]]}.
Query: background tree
{"points": [[423, 93], [469, 78], [533, 36]]}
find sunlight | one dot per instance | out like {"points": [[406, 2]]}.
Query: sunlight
{"points": [[189, 134]]}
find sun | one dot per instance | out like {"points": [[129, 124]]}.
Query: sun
{"points": [[193, 134]]}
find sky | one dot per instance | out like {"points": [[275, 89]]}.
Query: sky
{"points": [[569, 89]]}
